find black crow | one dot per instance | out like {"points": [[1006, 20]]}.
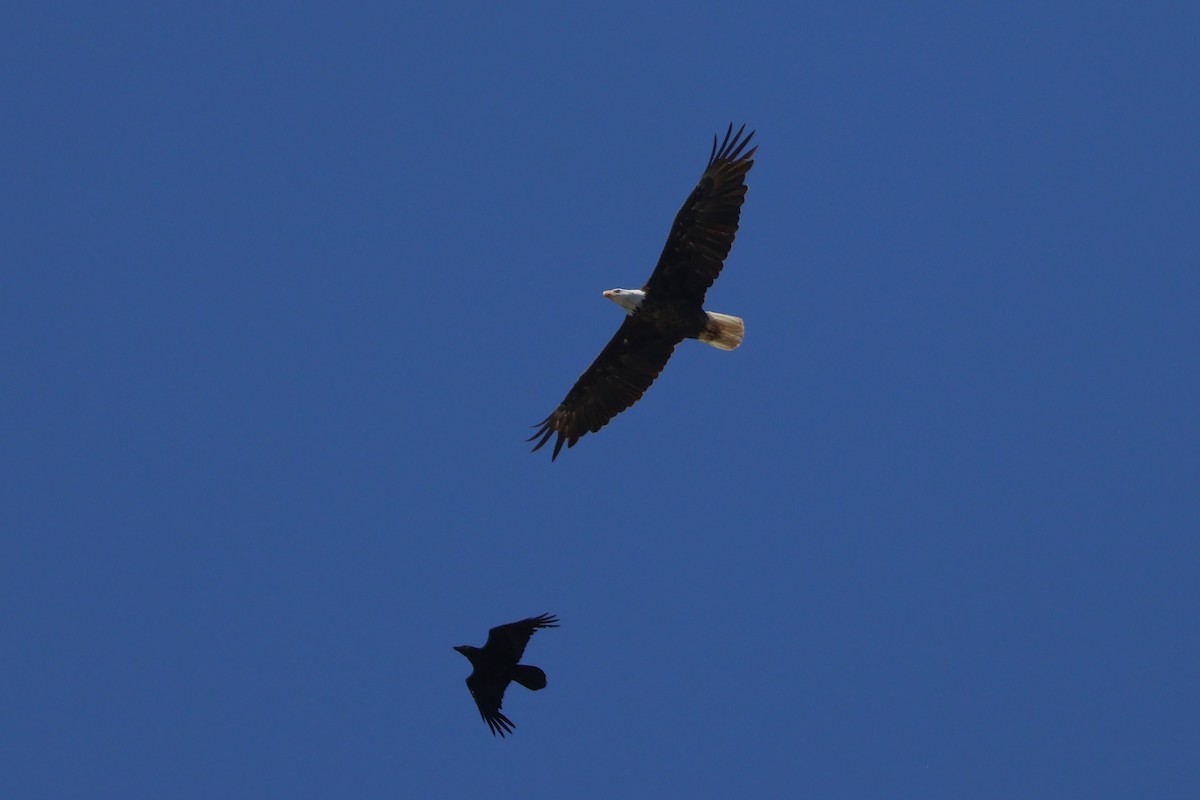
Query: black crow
{"points": [[496, 666]]}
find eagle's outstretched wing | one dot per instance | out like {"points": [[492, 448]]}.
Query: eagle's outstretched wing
{"points": [[704, 228], [618, 377]]}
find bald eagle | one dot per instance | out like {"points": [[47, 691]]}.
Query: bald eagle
{"points": [[669, 308], [495, 666]]}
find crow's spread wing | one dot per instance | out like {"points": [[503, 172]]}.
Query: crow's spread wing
{"points": [[508, 642]]}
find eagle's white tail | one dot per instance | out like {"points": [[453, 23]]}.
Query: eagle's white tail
{"points": [[723, 331]]}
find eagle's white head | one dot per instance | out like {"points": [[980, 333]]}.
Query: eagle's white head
{"points": [[628, 299]]}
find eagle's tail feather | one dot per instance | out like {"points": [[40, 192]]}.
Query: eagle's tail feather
{"points": [[529, 677], [723, 331]]}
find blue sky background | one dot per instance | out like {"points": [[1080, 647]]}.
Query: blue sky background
{"points": [[285, 286]]}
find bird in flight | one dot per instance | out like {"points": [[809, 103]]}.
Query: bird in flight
{"points": [[495, 666], [669, 308]]}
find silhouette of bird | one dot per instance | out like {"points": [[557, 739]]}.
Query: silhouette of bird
{"points": [[496, 666]]}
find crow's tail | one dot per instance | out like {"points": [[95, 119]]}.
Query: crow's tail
{"points": [[529, 677]]}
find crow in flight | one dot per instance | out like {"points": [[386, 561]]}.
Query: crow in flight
{"points": [[496, 666]]}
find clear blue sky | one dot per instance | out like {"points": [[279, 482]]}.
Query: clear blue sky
{"points": [[285, 287]]}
